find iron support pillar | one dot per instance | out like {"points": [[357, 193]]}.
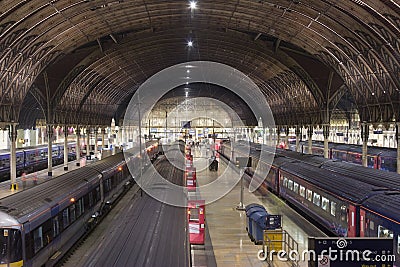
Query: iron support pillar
{"points": [[49, 150], [398, 146], [78, 146], [66, 148], [298, 136], [13, 157], [325, 131], [310, 134], [364, 137]]}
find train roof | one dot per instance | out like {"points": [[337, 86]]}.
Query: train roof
{"points": [[386, 204], [107, 163], [280, 161], [372, 150], [314, 160], [28, 203], [372, 176], [340, 185]]}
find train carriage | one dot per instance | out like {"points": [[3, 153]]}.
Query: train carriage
{"points": [[30, 159], [346, 199], [328, 198], [37, 226], [375, 177], [382, 158], [380, 215]]}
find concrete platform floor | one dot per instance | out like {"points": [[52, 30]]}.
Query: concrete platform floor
{"points": [[227, 226]]}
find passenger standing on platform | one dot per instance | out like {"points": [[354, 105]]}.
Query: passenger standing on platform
{"points": [[23, 179], [35, 179]]}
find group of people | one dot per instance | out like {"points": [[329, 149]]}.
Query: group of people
{"points": [[24, 179]]}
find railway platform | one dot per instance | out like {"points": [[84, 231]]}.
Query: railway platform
{"points": [[32, 179], [226, 226]]}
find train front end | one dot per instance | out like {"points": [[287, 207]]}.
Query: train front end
{"points": [[10, 242]]}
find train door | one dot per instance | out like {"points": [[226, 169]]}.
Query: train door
{"points": [[377, 162], [362, 223], [196, 221], [351, 221]]}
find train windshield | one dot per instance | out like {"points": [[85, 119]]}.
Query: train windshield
{"points": [[10, 245]]}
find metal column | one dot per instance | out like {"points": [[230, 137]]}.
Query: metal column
{"points": [[287, 136], [398, 146], [325, 131], [13, 157], [87, 141], [103, 138], [310, 134], [78, 146], [66, 148], [298, 136], [96, 131], [364, 137], [50, 150]]}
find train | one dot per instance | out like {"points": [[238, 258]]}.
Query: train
{"points": [[343, 201], [33, 159], [381, 158], [38, 226]]}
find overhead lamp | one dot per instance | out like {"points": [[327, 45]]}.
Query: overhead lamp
{"points": [[187, 71], [193, 5], [190, 43]]}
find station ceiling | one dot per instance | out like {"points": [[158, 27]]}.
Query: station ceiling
{"points": [[79, 62]]}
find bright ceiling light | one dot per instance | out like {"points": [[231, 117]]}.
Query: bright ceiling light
{"points": [[190, 43], [193, 4]]}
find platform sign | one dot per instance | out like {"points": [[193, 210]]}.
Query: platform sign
{"points": [[355, 252], [273, 221]]}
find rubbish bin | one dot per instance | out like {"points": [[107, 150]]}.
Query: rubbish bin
{"points": [[250, 209], [258, 221]]}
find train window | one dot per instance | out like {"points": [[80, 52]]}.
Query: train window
{"points": [[290, 185], [285, 181], [383, 232], [65, 218], [296, 187], [309, 195], [302, 191], [97, 196], [317, 199], [398, 243], [47, 232], [333, 208], [325, 203], [38, 239], [90, 196], [371, 225], [79, 207], [72, 213], [56, 226]]}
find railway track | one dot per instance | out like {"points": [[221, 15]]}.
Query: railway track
{"points": [[139, 231]]}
